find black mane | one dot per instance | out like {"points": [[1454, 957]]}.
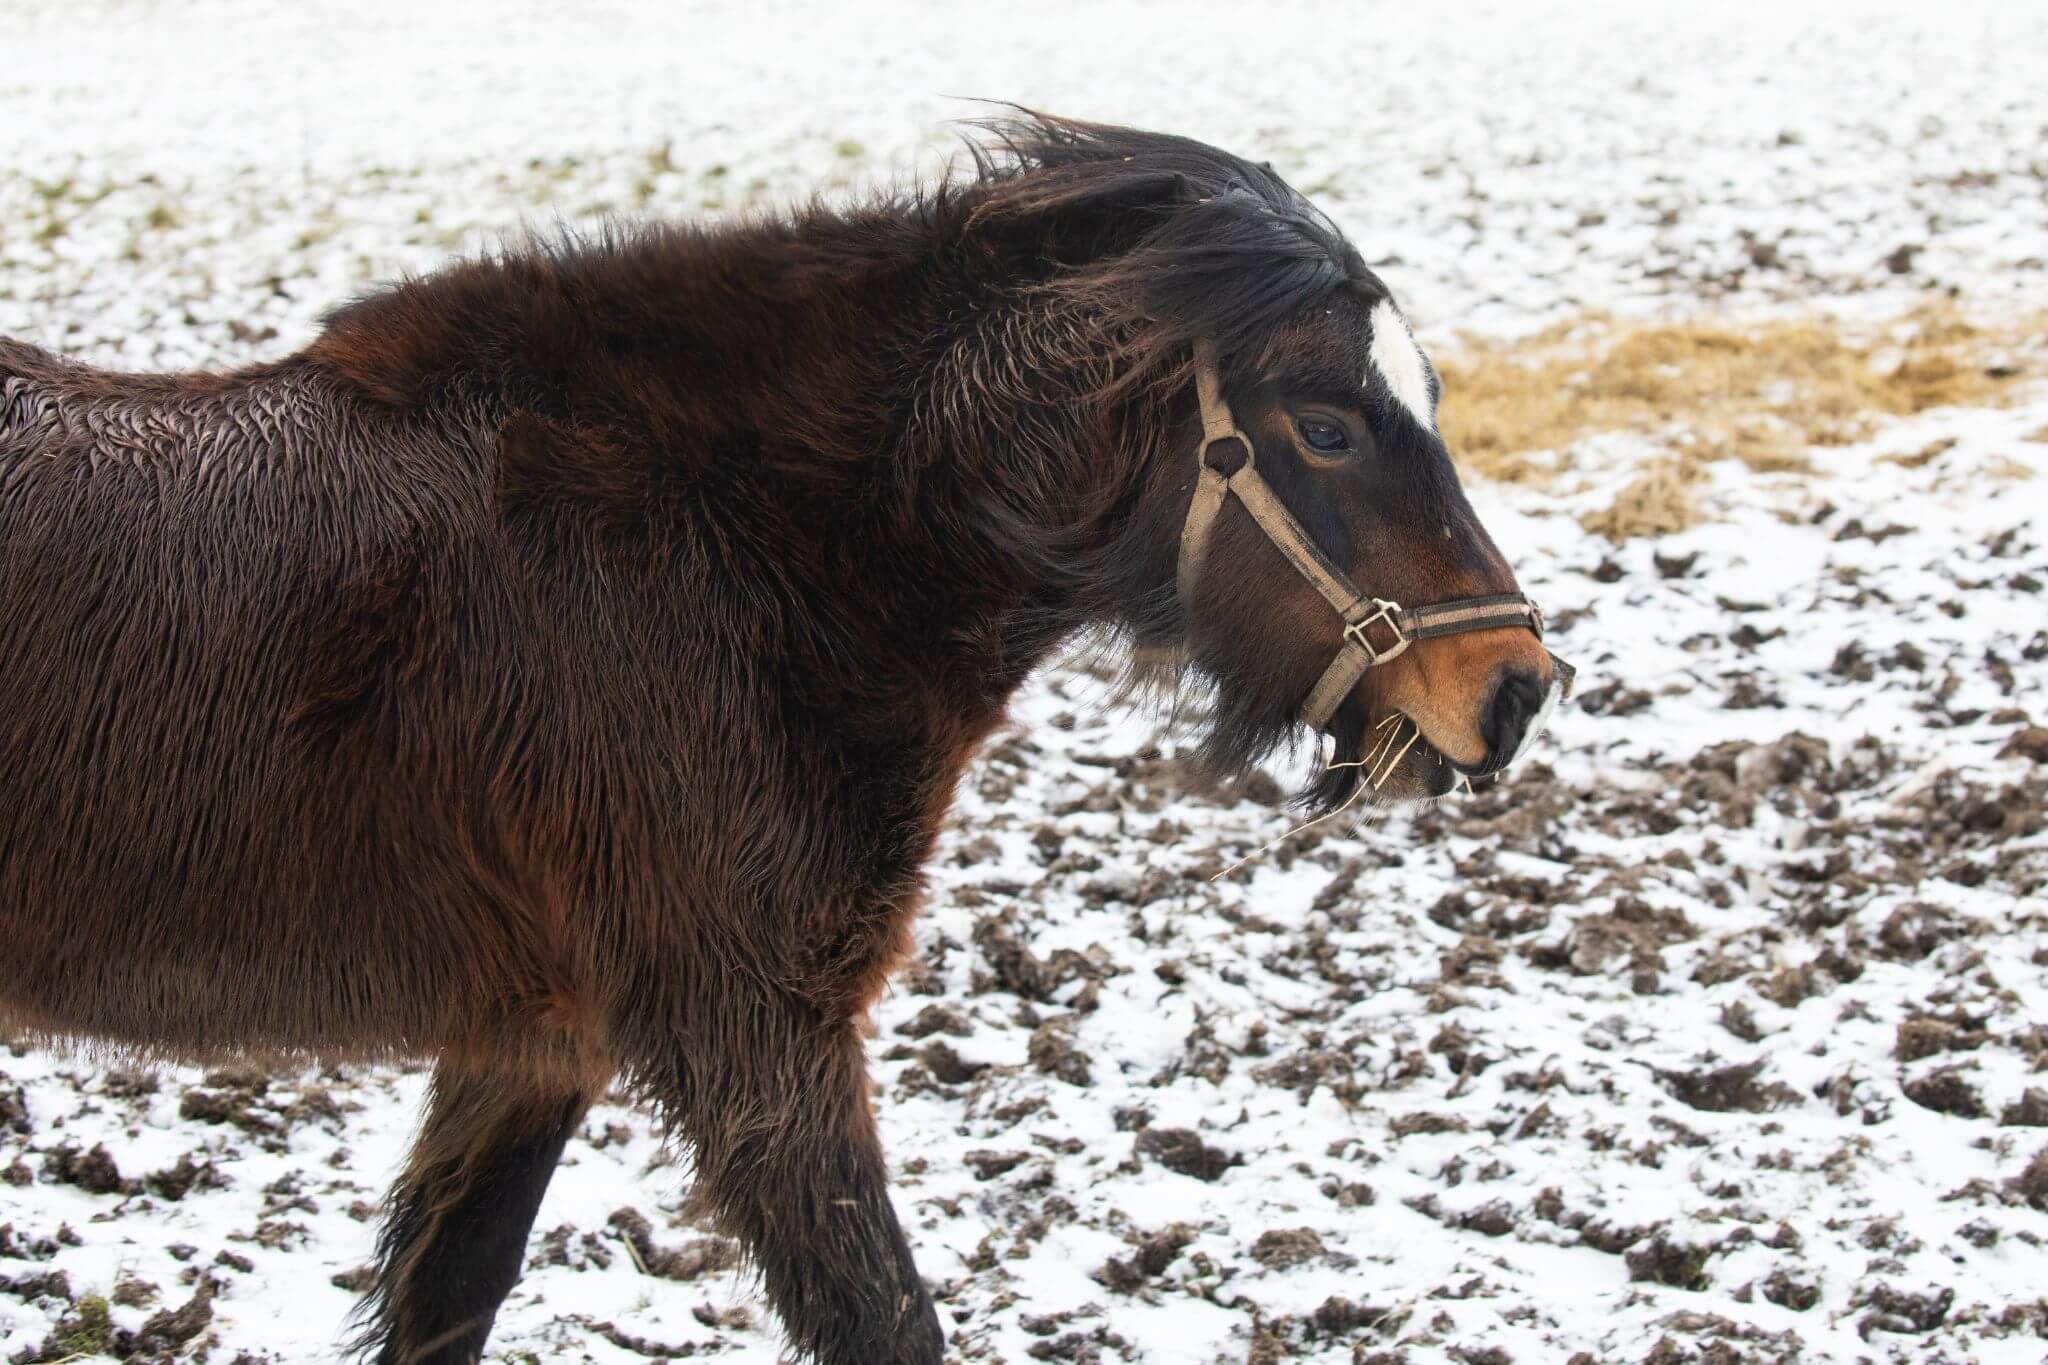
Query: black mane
{"points": [[1202, 243]]}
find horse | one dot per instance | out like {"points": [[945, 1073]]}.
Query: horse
{"points": [[560, 669]]}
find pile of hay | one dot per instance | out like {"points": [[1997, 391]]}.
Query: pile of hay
{"points": [[1762, 393]]}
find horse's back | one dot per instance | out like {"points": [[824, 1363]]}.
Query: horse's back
{"points": [[207, 584]]}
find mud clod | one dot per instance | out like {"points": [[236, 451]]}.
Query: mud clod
{"points": [[1901, 1311], [1154, 1253], [698, 1257], [2029, 1111], [1729, 1088], [1182, 1150], [1663, 1259], [92, 1171], [1279, 1248], [1946, 1092]]}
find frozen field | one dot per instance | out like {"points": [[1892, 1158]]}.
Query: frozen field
{"points": [[1718, 1033]]}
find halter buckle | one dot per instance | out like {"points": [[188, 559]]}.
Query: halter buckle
{"points": [[1384, 613]]}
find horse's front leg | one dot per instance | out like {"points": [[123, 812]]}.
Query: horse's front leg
{"points": [[774, 1099], [455, 1235]]}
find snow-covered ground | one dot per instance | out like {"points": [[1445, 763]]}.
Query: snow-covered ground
{"points": [[1718, 1033]]}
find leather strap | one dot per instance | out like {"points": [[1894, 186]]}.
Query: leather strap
{"points": [[1221, 472]]}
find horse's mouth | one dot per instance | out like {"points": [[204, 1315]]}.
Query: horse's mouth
{"points": [[1393, 760], [1390, 760], [1391, 763]]}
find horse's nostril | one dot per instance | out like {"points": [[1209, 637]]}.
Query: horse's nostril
{"points": [[1516, 700]]}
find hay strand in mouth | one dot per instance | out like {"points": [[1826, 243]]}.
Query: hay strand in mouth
{"points": [[1414, 733], [1349, 801], [1380, 746]]}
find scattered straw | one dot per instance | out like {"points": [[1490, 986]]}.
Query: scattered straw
{"points": [[1390, 729], [1657, 502], [1761, 393]]}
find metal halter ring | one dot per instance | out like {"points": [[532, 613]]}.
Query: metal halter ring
{"points": [[1388, 614], [1210, 440]]}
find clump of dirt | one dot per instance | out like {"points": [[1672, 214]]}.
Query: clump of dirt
{"points": [[2031, 1184], [1480, 1355], [946, 1066], [13, 1107], [937, 1019], [1013, 967], [697, 1257], [1663, 1259], [2030, 743], [1615, 699], [1473, 962], [1280, 1248], [1052, 1051], [1729, 1088], [173, 1327], [1303, 1071], [989, 1165], [1898, 1310], [93, 1171], [2029, 1111], [1495, 1218], [1082, 1348], [1633, 931], [562, 1246], [1918, 1038], [129, 1085], [1154, 1252], [1790, 1291], [1408, 1125], [1182, 1150], [1946, 1092], [16, 1246], [53, 1284], [250, 1101], [1913, 931], [176, 1181], [731, 1318], [1597, 1233]]}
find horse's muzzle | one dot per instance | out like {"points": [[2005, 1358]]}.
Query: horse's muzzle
{"points": [[1517, 711]]}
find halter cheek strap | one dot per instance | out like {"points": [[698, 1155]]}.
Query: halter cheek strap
{"points": [[1222, 471]]}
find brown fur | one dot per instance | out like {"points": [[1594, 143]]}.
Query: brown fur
{"points": [[563, 667]]}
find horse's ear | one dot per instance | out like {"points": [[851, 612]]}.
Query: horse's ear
{"points": [[1074, 217]]}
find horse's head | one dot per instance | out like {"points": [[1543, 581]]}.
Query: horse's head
{"points": [[1330, 571], [1297, 534]]}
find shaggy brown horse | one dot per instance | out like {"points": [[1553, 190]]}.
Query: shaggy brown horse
{"points": [[562, 668]]}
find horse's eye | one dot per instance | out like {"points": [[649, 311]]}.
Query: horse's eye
{"points": [[1324, 436]]}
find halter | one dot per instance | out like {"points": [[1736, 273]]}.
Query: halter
{"points": [[1221, 474]]}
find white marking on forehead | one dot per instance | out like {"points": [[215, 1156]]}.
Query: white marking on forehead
{"points": [[1399, 362]]}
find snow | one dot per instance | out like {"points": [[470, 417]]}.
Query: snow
{"points": [[1465, 1048]]}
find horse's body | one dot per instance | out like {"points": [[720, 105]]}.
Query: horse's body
{"points": [[349, 728], [335, 748], [201, 578], [562, 669]]}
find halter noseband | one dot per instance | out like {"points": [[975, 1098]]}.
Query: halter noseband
{"points": [[1220, 475]]}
